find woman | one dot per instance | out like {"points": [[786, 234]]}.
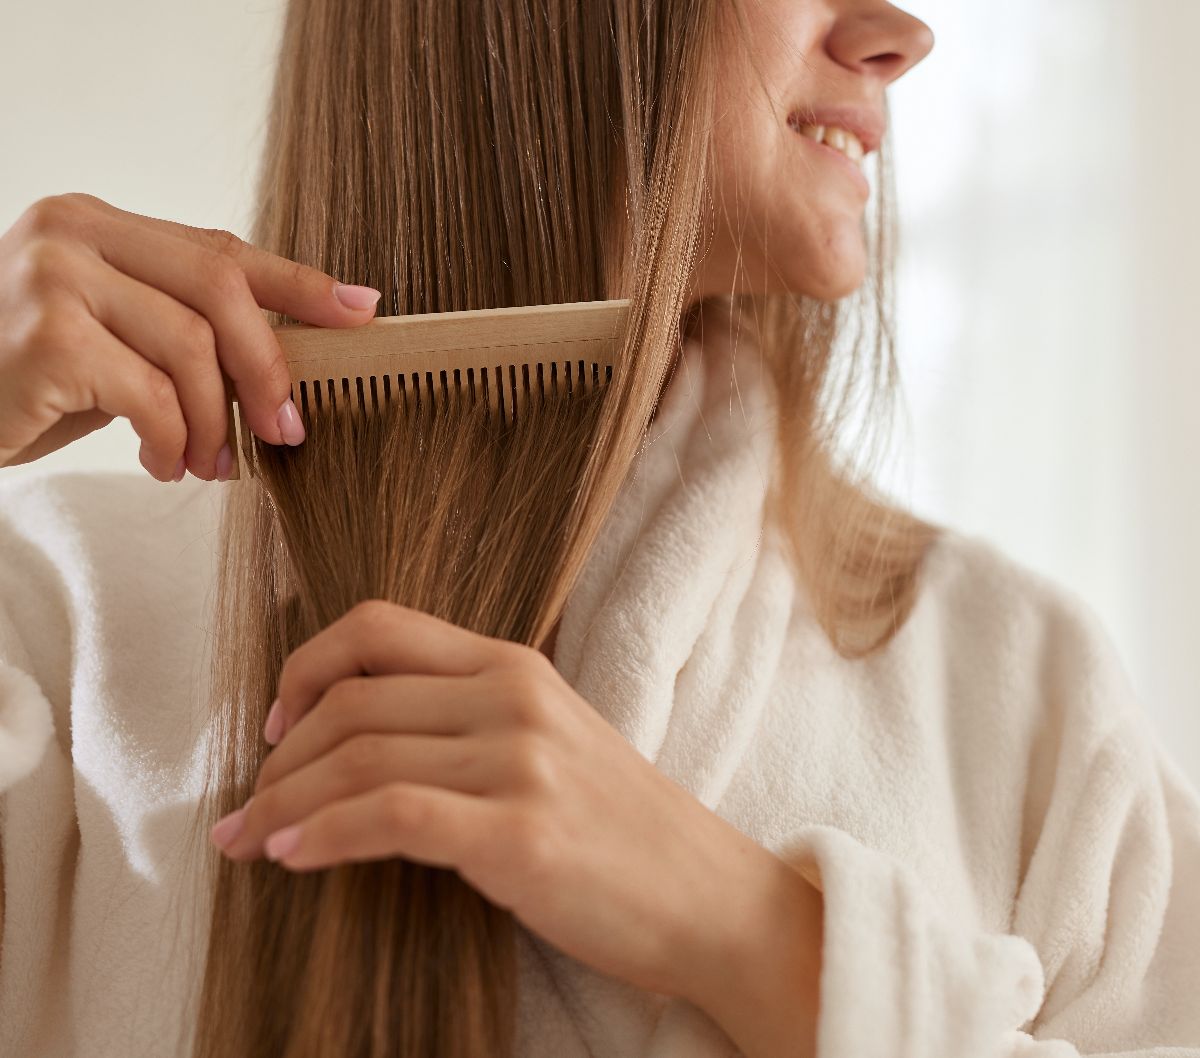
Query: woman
{"points": [[806, 775]]}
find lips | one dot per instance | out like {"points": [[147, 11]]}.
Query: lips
{"points": [[837, 138], [867, 123]]}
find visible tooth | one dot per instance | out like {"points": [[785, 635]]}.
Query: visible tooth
{"points": [[813, 132], [854, 148], [836, 138]]}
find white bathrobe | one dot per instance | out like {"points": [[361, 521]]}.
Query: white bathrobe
{"points": [[1010, 862]]}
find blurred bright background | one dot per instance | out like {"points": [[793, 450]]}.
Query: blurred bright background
{"points": [[1045, 177]]}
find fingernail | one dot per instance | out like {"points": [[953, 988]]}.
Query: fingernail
{"points": [[290, 426], [180, 470], [356, 297], [282, 842], [228, 827], [273, 728], [224, 463]]}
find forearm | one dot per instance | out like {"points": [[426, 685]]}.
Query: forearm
{"points": [[761, 982]]}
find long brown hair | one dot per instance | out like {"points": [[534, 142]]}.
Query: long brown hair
{"points": [[457, 156]]}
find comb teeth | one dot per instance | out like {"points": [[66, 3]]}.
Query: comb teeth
{"points": [[506, 389], [502, 358]]}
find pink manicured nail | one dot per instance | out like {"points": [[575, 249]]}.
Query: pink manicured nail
{"points": [[290, 426], [224, 463], [228, 827], [356, 297], [282, 842], [273, 728]]}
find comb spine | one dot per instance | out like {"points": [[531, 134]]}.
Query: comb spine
{"points": [[413, 345]]}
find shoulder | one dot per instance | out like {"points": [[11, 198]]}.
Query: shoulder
{"points": [[969, 579], [997, 622], [971, 575]]}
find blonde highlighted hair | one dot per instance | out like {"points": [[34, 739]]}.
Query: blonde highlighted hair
{"points": [[467, 155]]}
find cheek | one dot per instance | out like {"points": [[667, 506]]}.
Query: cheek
{"points": [[790, 222], [815, 243]]}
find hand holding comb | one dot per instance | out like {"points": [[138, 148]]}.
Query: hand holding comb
{"points": [[499, 357]]}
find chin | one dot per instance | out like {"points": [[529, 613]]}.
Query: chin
{"points": [[825, 267], [829, 288], [824, 284], [829, 272]]}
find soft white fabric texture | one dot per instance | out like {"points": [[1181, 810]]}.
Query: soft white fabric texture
{"points": [[1009, 859]]}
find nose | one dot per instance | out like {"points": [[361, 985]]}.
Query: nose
{"points": [[878, 39]]}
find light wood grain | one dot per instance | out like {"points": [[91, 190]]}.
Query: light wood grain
{"points": [[575, 343]]}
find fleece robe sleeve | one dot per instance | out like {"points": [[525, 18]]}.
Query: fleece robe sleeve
{"points": [[26, 723], [25, 719], [1103, 956]]}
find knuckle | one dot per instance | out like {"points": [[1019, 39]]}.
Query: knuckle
{"points": [[52, 213], [512, 654], [160, 392], [370, 609], [274, 374], [224, 242], [42, 266], [533, 763], [359, 754], [540, 664], [398, 809], [46, 256], [223, 276], [50, 327], [465, 764], [198, 335], [523, 697], [163, 404], [40, 217], [79, 199], [532, 840], [373, 615], [50, 350], [341, 703], [297, 274], [338, 695], [278, 372]]}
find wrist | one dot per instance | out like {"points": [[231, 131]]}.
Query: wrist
{"points": [[757, 968]]}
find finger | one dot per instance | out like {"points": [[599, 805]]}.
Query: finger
{"points": [[359, 764], [413, 705], [439, 828], [286, 286], [294, 289], [213, 285], [102, 372], [176, 339], [378, 638]]}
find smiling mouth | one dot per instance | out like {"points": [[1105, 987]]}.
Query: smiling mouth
{"points": [[839, 139], [843, 147]]}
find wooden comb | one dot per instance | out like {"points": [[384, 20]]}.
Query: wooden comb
{"points": [[501, 356]]}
